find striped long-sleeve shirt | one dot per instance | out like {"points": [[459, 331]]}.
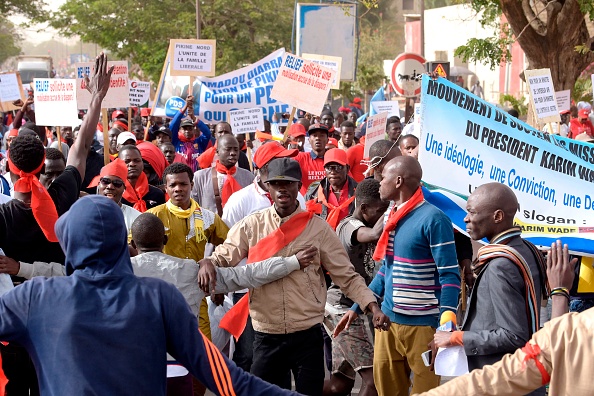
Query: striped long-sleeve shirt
{"points": [[420, 277]]}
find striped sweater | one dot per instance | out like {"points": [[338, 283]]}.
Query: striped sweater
{"points": [[419, 278]]}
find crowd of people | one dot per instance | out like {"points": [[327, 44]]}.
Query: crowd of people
{"points": [[335, 262]]}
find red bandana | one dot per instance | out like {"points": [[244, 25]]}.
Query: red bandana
{"points": [[231, 185]]}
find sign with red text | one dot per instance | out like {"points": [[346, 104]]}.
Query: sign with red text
{"points": [[303, 84], [376, 130], [193, 57], [55, 101], [139, 92], [118, 94], [331, 62]]}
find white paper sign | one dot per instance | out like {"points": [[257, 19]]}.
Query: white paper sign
{"points": [[417, 120], [542, 95], [563, 99], [303, 84], [118, 94], [55, 101], [390, 106], [193, 57], [376, 130], [331, 62], [9, 88], [139, 93], [246, 120], [451, 362]]}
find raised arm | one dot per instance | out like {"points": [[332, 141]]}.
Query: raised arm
{"points": [[98, 86]]}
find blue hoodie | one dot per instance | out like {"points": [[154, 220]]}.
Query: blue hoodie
{"points": [[103, 331]]}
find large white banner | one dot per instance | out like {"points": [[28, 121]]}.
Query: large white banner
{"points": [[467, 142]]}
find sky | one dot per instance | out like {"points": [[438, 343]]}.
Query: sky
{"points": [[33, 34]]}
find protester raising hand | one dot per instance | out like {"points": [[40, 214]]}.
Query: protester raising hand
{"points": [[560, 272], [99, 83]]}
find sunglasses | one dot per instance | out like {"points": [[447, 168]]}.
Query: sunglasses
{"points": [[334, 168], [115, 182]]}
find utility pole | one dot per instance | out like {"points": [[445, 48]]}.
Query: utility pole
{"points": [[198, 19]]}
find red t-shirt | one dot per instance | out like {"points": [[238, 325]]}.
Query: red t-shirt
{"points": [[354, 157], [576, 127], [312, 169]]}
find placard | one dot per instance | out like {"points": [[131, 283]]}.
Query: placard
{"points": [[303, 84], [563, 100], [193, 57], [118, 94], [542, 95], [392, 107], [246, 120], [11, 89], [376, 130], [139, 92], [331, 62], [55, 101]]}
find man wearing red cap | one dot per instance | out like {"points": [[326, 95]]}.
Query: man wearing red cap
{"points": [[580, 125], [312, 163], [562, 128], [333, 197], [246, 201], [27, 222], [297, 137]]}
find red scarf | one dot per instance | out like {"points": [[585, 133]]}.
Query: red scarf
{"points": [[235, 319], [182, 138], [134, 194], [3, 379], [44, 208], [333, 216], [231, 185], [205, 159], [393, 219]]}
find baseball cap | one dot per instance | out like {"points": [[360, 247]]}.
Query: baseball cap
{"points": [[335, 155], [270, 151], [583, 113], [117, 114], [317, 127], [296, 130], [125, 136], [333, 142], [145, 111], [187, 122], [284, 169], [164, 130], [565, 112]]}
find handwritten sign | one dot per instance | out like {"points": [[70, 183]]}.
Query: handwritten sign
{"points": [[193, 57], [10, 90], [376, 130], [542, 95], [303, 84], [331, 62], [118, 94], [55, 101], [246, 120], [139, 92]]}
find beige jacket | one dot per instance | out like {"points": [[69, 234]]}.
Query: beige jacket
{"points": [[295, 302], [566, 354]]}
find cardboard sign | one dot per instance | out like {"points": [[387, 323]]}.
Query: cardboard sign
{"points": [[118, 94], [303, 84], [11, 89], [193, 57], [246, 120], [563, 99], [331, 62], [542, 95], [55, 101], [376, 130], [139, 92], [392, 107]]}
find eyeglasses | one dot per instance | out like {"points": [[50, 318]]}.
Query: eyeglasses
{"points": [[106, 181], [334, 168]]}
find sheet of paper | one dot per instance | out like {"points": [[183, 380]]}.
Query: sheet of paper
{"points": [[451, 362]]}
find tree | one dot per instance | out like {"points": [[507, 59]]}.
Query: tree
{"points": [[140, 30], [34, 9], [552, 33], [8, 40]]}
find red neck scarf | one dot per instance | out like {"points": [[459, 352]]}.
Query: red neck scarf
{"points": [[393, 219], [334, 216], [205, 159], [231, 185], [134, 194], [44, 208], [182, 138], [235, 320]]}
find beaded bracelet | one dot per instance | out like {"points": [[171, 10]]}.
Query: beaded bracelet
{"points": [[560, 291]]}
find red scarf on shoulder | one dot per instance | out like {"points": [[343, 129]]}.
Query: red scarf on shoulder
{"points": [[231, 185], [134, 194]]}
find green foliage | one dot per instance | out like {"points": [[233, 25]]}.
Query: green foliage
{"points": [[33, 9], [582, 90], [347, 91], [519, 104], [370, 77], [8, 40], [140, 30]]}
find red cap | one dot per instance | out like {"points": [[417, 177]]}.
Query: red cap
{"points": [[296, 130], [117, 113], [332, 141], [145, 112], [13, 133], [565, 112], [270, 151], [335, 155], [116, 167], [583, 113], [357, 100]]}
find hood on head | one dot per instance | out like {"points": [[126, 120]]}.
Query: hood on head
{"points": [[93, 236]]}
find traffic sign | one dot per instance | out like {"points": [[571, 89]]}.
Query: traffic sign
{"points": [[442, 69], [407, 71]]}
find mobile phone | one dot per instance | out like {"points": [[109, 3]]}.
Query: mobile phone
{"points": [[426, 356]]}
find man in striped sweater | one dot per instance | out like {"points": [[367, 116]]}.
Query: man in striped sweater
{"points": [[419, 280]]}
